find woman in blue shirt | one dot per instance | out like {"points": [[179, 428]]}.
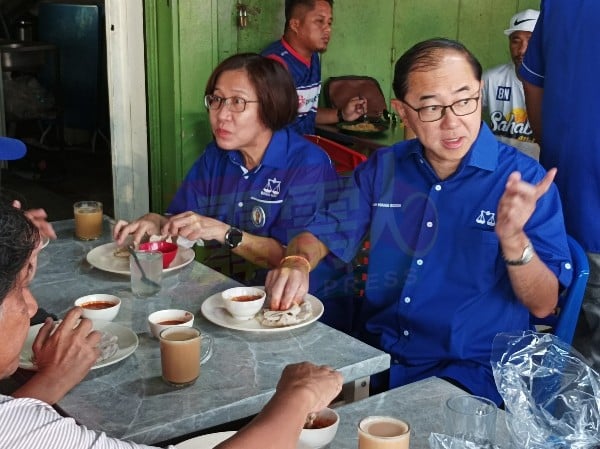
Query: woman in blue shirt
{"points": [[257, 184]]}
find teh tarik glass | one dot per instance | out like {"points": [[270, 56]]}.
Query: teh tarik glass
{"points": [[88, 219]]}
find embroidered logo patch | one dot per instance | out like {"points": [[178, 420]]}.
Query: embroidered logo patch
{"points": [[258, 216], [486, 217], [272, 188]]}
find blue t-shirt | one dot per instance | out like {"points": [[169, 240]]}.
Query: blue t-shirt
{"points": [[307, 78], [278, 199], [437, 287], [563, 58]]}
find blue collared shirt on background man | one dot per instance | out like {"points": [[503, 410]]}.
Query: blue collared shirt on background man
{"points": [[277, 199], [437, 287]]}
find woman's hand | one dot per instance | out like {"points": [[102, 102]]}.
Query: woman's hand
{"points": [[193, 226]]}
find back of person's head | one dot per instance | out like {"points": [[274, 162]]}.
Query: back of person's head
{"points": [[274, 87], [425, 56], [18, 239], [296, 8]]}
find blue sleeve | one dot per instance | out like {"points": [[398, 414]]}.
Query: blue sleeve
{"points": [[312, 184], [546, 230], [344, 223]]}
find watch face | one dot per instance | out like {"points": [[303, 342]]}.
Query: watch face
{"points": [[234, 237]]}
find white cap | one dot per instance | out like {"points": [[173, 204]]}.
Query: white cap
{"points": [[522, 21]]}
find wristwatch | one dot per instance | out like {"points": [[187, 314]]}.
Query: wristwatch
{"points": [[233, 237], [526, 257]]}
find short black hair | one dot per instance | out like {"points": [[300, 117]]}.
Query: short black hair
{"points": [[291, 7], [18, 239], [425, 56], [274, 86]]}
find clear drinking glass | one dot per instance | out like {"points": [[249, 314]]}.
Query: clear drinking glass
{"points": [[147, 277], [471, 418]]}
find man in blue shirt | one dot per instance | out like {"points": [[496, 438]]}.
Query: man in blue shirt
{"points": [[559, 73], [467, 236], [307, 32]]}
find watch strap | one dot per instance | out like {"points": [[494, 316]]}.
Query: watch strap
{"points": [[525, 258]]}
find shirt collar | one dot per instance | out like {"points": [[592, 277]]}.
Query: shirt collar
{"points": [[275, 154], [483, 153], [295, 54]]}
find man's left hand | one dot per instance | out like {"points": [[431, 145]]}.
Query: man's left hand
{"points": [[518, 203]]}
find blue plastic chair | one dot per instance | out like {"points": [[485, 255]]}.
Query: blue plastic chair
{"points": [[564, 321]]}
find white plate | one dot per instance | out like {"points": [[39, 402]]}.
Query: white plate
{"points": [[102, 257], [207, 441], [210, 440], [213, 310], [128, 343]]}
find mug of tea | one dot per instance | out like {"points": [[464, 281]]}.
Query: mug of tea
{"points": [[383, 432], [180, 355]]}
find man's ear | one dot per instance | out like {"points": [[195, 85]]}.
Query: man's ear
{"points": [[294, 24], [400, 108]]}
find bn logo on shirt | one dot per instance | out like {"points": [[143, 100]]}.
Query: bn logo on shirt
{"points": [[503, 93]]}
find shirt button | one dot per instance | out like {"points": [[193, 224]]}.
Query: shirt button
{"points": [[438, 187], [406, 333], [240, 204], [246, 177], [407, 299], [396, 361], [429, 224], [419, 262], [568, 266]]}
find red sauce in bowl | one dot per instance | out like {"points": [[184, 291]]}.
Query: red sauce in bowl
{"points": [[98, 305]]}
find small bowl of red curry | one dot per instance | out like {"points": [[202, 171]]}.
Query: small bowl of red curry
{"points": [[157, 321], [99, 306], [243, 303]]}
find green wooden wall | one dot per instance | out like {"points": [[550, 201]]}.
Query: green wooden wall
{"points": [[187, 38]]}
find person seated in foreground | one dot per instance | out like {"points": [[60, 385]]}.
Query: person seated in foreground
{"points": [[255, 186], [467, 234], [65, 357]]}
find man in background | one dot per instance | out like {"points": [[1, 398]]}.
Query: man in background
{"points": [[306, 34], [559, 73], [503, 96]]}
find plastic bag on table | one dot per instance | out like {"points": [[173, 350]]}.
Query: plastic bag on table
{"points": [[552, 396], [441, 441]]}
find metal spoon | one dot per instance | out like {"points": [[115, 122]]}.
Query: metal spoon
{"points": [[145, 278]]}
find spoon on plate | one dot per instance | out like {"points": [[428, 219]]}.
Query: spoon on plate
{"points": [[144, 278]]}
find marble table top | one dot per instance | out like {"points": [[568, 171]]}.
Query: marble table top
{"points": [[129, 400], [421, 404]]}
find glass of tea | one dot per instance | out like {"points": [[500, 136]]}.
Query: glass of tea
{"points": [[88, 219]]}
